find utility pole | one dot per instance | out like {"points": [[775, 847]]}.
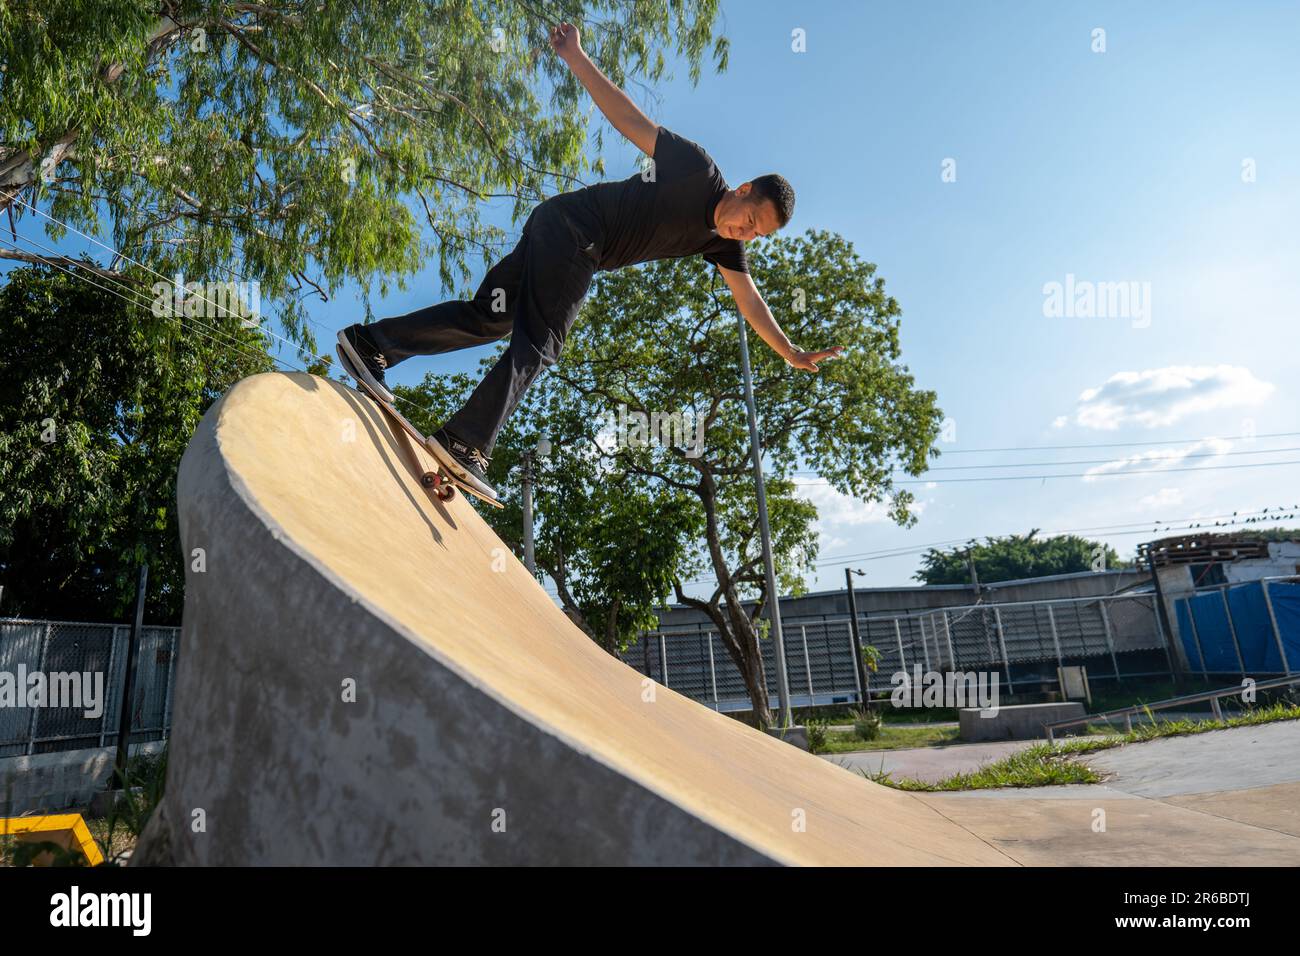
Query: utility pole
{"points": [[124, 717], [541, 450], [974, 575], [857, 637], [773, 595], [529, 562], [1162, 620]]}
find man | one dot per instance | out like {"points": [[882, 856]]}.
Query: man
{"points": [[533, 294]]}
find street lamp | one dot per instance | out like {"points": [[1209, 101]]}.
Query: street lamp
{"points": [[857, 637]]}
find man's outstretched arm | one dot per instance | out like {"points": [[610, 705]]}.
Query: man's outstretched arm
{"points": [[751, 305], [613, 102]]}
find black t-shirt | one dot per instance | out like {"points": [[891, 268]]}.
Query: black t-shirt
{"points": [[671, 216]]}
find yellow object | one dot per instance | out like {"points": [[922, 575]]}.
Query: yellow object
{"points": [[65, 829]]}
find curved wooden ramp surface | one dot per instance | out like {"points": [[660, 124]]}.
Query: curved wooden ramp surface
{"points": [[486, 728]]}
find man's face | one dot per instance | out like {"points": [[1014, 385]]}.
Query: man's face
{"points": [[736, 217]]}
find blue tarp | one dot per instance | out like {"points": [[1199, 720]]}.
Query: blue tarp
{"points": [[1286, 605], [1214, 632], [1209, 645], [1254, 629], [1185, 634]]}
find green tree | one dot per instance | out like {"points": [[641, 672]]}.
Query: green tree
{"points": [[630, 523], [98, 398], [1014, 557], [300, 146], [662, 340]]}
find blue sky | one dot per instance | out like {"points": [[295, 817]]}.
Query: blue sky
{"points": [[1123, 166]]}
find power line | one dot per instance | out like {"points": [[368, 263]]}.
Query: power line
{"points": [[138, 299], [201, 297], [1081, 474], [1142, 525], [1095, 461], [1118, 444]]}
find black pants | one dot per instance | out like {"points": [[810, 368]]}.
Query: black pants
{"points": [[532, 295]]}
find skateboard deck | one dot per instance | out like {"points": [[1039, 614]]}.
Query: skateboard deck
{"points": [[442, 481]]}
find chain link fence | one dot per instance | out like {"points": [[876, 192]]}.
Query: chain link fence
{"points": [[91, 657], [1115, 636]]}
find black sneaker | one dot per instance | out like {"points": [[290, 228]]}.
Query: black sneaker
{"points": [[362, 359], [469, 464]]}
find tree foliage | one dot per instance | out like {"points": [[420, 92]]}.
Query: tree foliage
{"points": [[1016, 556], [630, 524], [98, 398], [300, 146]]}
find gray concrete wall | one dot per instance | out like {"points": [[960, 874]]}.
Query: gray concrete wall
{"points": [[66, 780], [1019, 722]]}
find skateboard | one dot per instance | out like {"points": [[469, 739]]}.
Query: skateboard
{"points": [[441, 481]]}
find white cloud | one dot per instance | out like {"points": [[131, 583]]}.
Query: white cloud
{"points": [[1164, 396], [1208, 452], [838, 510]]}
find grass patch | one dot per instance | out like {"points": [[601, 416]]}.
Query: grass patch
{"points": [[891, 738]]}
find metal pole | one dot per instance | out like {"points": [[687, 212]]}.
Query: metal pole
{"points": [[171, 675], [1002, 642], [529, 563], [859, 666], [124, 716], [807, 664], [853, 650], [112, 652], [713, 673], [773, 595], [1277, 633], [1056, 641], [1232, 629], [663, 658], [947, 632], [1110, 642], [1196, 636], [925, 647], [1162, 619], [40, 667], [898, 636]]}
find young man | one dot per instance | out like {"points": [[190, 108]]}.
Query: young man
{"points": [[684, 209]]}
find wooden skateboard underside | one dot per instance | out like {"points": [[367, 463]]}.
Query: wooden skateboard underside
{"points": [[442, 481]]}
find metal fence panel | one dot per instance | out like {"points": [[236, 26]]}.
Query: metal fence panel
{"points": [[820, 666], [91, 657]]}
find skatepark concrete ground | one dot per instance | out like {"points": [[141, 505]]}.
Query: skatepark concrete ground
{"points": [[1220, 798]]}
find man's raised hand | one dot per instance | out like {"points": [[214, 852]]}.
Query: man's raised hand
{"points": [[565, 41], [808, 360]]}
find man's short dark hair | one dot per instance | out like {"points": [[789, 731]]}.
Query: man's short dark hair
{"points": [[777, 190]]}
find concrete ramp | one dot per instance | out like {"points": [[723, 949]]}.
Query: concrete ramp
{"points": [[368, 676]]}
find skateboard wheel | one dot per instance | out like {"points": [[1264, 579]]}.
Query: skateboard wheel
{"points": [[429, 480], [446, 492]]}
